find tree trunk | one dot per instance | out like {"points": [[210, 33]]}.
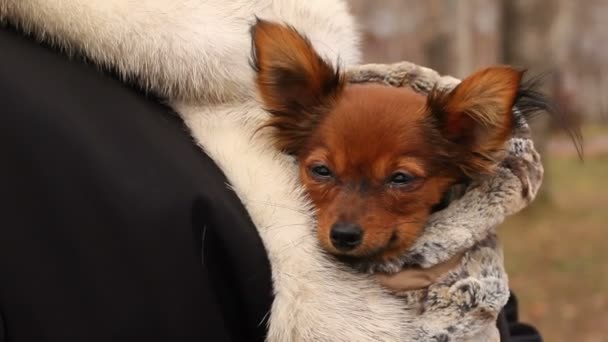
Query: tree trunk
{"points": [[526, 42]]}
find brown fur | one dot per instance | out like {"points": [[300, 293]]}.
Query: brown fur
{"points": [[365, 134], [477, 114], [293, 81]]}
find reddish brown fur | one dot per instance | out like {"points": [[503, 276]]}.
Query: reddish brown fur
{"points": [[365, 134], [293, 81], [478, 115]]}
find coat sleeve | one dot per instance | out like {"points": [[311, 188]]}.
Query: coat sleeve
{"points": [[114, 225]]}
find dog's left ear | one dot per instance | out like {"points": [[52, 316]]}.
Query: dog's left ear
{"points": [[296, 85], [476, 117]]}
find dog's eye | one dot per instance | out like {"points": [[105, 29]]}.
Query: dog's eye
{"points": [[321, 171], [401, 178]]}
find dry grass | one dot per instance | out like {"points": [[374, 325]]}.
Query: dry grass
{"points": [[557, 252]]}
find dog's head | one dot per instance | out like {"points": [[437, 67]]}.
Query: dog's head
{"points": [[375, 159]]}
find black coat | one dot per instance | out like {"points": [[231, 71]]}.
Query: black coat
{"points": [[115, 226]]}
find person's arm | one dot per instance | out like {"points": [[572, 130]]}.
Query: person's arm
{"points": [[115, 226]]}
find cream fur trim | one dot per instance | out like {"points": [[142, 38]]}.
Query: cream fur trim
{"points": [[188, 50]]}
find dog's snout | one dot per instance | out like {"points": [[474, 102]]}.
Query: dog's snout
{"points": [[346, 236]]}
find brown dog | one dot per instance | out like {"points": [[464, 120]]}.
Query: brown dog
{"points": [[374, 159]]}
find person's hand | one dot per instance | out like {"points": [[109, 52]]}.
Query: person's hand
{"points": [[417, 278]]}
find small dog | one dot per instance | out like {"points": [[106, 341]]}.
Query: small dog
{"points": [[376, 160]]}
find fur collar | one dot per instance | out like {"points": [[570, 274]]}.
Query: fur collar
{"points": [[195, 54]]}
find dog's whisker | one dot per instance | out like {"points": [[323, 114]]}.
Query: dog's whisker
{"points": [[295, 243], [398, 223], [278, 205], [276, 229], [280, 226]]}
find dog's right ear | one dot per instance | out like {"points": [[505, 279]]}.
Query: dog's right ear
{"points": [[476, 117], [296, 85]]}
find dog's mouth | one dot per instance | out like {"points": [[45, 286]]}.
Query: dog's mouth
{"points": [[360, 264], [370, 259], [370, 265]]}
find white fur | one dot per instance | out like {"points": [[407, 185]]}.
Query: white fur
{"points": [[195, 54], [191, 50]]}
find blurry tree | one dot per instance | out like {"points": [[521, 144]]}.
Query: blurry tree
{"points": [[540, 35], [451, 36], [458, 36], [526, 28]]}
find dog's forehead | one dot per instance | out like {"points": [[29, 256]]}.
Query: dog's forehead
{"points": [[368, 116], [372, 127], [381, 98], [369, 112]]}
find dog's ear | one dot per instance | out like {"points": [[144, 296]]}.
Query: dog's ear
{"points": [[296, 85], [476, 117]]}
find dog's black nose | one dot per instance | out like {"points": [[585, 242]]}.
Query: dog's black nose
{"points": [[346, 235]]}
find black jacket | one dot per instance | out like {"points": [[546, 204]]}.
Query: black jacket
{"points": [[115, 226]]}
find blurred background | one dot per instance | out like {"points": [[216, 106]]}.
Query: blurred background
{"points": [[556, 251]]}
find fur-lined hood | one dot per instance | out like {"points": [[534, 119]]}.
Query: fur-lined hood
{"points": [[195, 55]]}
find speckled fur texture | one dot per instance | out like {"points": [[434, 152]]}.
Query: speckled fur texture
{"points": [[182, 51]]}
